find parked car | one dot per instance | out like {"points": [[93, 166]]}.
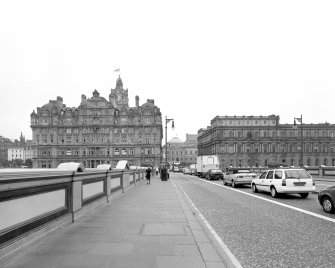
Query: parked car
{"points": [[215, 174], [238, 176], [186, 171], [284, 180], [327, 199], [193, 171]]}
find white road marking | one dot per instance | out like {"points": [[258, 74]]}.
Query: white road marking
{"points": [[211, 230], [274, 202]]}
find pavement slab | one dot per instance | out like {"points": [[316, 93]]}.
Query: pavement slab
{"points": [[147, 226]]}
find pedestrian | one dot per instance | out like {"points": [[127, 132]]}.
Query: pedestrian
{"points": [[164, 174], [148, 174], [156, 171]]}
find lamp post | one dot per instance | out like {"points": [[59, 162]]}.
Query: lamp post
{"points": [[167, 120], [299, 119]]}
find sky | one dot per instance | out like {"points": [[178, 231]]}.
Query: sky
{"points": [[196, 59]]}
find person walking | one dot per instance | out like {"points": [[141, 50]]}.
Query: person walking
{"points": [[148, 174]]}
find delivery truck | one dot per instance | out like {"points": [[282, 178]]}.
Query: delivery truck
{"points": [[205, 163]]}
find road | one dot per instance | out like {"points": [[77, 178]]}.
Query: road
{"points": [[261, 231]]}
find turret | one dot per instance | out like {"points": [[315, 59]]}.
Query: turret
{"points": [[137, 101]]}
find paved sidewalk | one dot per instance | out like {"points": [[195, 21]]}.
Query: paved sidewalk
{"points": [[147, 226]]}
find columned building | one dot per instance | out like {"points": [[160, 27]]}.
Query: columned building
{"points": [[263, 141], [97, 131]]}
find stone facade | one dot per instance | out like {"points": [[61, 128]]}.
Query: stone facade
{"points": [[263, 141], [183, 152], [97, 131]]}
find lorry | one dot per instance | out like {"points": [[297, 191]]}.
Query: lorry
{"points": [[205, 163]]}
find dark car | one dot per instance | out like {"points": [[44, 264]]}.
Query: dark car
{"points": [[214, 174], [327, 198]]}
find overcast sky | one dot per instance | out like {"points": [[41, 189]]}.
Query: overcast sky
{"points": [[196, 59]]}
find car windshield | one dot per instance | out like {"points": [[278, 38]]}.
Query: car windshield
{"points": [[216, 171], [296, 174]]}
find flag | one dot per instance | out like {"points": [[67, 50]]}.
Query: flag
{"points": [[299, 119], [117, 70]]}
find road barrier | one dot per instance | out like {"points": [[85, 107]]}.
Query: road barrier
{"points": [[34, 202]]}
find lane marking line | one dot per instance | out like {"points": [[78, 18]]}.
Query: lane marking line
{"points": [[274, 202], [233, 259]]}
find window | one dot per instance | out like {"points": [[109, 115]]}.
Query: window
{"points": [[68, 130], [263, 176], [270, 175], [116, 151], [123, 151], [278, 174]]}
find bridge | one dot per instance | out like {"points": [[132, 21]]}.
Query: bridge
{"points": [[99, 217], [77, 217]]}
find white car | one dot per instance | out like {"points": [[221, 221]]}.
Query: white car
{"points": [[238, 176], [284, 180]]}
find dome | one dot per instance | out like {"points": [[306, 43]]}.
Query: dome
{"points": [[175, 140]]}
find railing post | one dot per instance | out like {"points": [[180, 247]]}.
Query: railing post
{"points": [[108, 185], [121, 181], [76, 202]]}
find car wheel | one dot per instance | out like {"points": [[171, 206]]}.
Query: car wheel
{"points": [[254, 188], [273, 191], [233, 184], [304, 195], [328, 205]]}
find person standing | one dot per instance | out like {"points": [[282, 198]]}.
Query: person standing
{"points": [[148, 174]]}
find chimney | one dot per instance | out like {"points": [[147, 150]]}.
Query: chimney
{"points": [[137, 101]]}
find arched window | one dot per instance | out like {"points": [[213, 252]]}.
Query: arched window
{"points": [[123, 151], [231, 134], [116, 151], [325, 162], [292, 162]]}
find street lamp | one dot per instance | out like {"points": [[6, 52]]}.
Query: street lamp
{"points": [[299, 119], [167, 120]]}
